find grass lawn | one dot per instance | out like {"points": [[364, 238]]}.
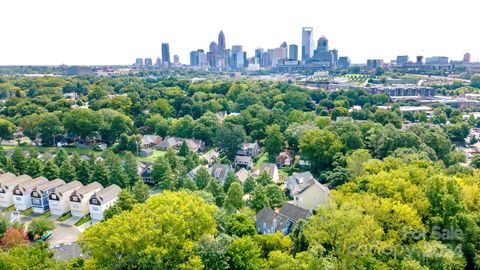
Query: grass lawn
{"points": [[262, 159], [64, 217], [83, 220], [9, 209], [152, 158], [27, 212], [282, 174], [46, 214]]}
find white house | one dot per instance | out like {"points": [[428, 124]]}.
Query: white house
{"points": [[79, 199], [7, 186], [271, 169], [59, 198], [22, 192], [102, 200], [39, 195]]}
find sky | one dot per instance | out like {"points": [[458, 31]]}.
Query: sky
{"points": [[110, 32]]}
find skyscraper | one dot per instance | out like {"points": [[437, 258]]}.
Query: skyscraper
{"points": [[293, 52], [139, 62], [158, 63], [221, 41], [322, 45], [307, 43], [466, 58], [148, 62], [194, 58], [166, 54], [402, 60], [176, 60]]}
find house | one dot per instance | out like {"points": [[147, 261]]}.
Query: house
{"points": [[296, 179], [210, 156], [249, 149], [7, 176], [285, 159], [22, 192], [271, 169], [307, 192], [268, 221], [59, 198], [146, 152], [243, 162], [79, 199], [145, 172], [176, 143], [7, 186], [149, 141], [220, 171], [39, 195], [191, 174], [102, 200], [242, 175]]}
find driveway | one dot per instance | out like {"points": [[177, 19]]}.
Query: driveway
{"points": [[71, 221], [64, 234]]}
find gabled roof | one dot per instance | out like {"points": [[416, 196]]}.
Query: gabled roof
{"points": [[268, 216], [27, 186], [242, 175], [15, 181], [69, 186], [148, 139], [243, 159], [107, 194], [7, 176], [269, 167], [81, 192], [294, 212], [49, 185]]}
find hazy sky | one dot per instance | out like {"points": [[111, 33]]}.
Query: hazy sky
{"points": [[117, 31]]}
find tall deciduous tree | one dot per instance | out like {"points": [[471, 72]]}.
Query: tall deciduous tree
{"points": [[319, 147], [274, 142], [229, 137], [234, 199]]}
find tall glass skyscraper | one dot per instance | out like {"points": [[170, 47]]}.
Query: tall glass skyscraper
{"points": [[166, 54], [307, 43], [221, 41], [293, 52]]}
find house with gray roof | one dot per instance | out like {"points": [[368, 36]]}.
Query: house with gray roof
{"points": [[220, 171], [268, 221], [102, 200]]}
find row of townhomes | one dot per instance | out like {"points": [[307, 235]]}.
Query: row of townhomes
{"points": [[41, 195]]}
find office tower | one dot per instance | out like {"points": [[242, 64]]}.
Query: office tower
{"points": [[284, 45], [139, 62], [343, 62], [221, 41], [307, 43], [402, 60], [436, 60], [194, 58], [258, 53], [176, 60], [213, 47], [322, 44], [374, 63], [237, 48], [333, 58], [293, 52], [148, 62], [202, 58], [166, 54], [158, 63], [419, 59], [466, 58]]}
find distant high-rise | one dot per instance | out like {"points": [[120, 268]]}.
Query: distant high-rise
{"points": [[333, 58], [466, 58], [419, 59], [213, 47], [307, 43], [284, 45], [343, 62], [158, 63], [176, 60], [194, 58], [402, 60], [166, 54], [237, 48], [322, 45], [148, 62], [139, 62], [221, 41], [374, 63], [293, 52]]}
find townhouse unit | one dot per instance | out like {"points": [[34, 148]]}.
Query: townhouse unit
{"points": [[39, 195], [7, 176], [22, 192], [7, 186], [59, 198], [79, 199], [102, 200]]}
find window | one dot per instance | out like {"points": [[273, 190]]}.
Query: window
{"points": [[54, 196], [36, 201], [18, 199], [95, 208]]}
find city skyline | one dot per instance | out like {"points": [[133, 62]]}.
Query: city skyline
{"points": [[63, 34]]}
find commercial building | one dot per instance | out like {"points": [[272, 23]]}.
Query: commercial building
{"points": [[402, 60], [166, 54], [293, 52], [307, 43]]}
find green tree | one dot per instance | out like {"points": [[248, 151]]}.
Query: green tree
{"points": [[234, 198], [319, 147], [61, 157], [264, 179], [216, 190], [67, 171], [166, 228], [275, 141], [141, 191], [162, 174], [34, 168], [100, 173], [83, 172], [130, 168], [229, 137], [201, 178], [229, 180], [249, 185], [259, 199], [126, 201], [19, 160], [184, 151], [116, 174], [240, 225], [244, 254], [276, 196], [213, 251], [48, 126], [7, 129], [10, 166], [82, 122], [39, 226], [50, 170]]}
